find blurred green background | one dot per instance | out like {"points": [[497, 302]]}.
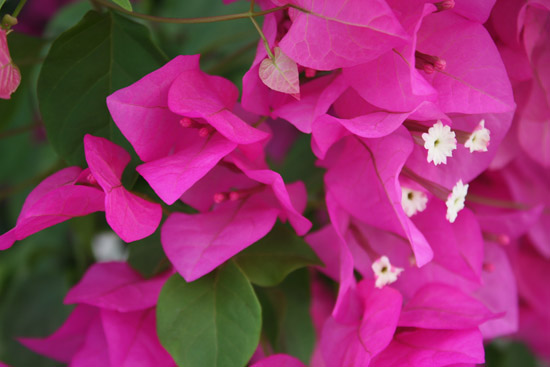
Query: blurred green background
{"points": [[36, 273]]}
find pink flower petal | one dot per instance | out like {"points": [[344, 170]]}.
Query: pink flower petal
{"points": [[279, 360], [58, 206], [132, 339], [106, 161], [499, 293], [95, 350], [116, 286], [375, 163], [459, 246], [439, 306], [130, 216], [474, 80], [141, 110], [427, 348], [171, 176], [281, 73], [195, 94], [10, 77], [355, 344], [68, 339], [340, 33], [300, 224], [196, 244]]}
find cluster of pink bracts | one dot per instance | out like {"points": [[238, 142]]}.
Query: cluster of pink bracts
{"points": [[432, 121]]}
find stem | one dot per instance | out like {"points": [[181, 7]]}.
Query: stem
{"points": [[32, 181], [416, 126], [505, 204], [95, 5], [260, 121], [18, 8], [19, 130], [220, 65], [436, 189], [252, 6], [262, 35], [212, 19]]}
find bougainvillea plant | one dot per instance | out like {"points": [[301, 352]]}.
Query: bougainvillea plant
{"points": [[275, 183]]}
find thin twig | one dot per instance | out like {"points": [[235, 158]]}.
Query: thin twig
{"points": [[211, 19], [19, 130]]}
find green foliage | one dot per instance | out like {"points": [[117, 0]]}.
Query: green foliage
{"points": [[101, 54], [214, 321], [502, 353], [25, 53], [226, 48], [147, 255], [286, 319], [124, 4], [271, 259], [35, 275]]}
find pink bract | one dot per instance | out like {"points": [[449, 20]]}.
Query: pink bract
{"points": [[55, 200], [10, 77], [130, 216]]}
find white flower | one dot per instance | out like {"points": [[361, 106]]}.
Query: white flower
{"points": [[413, 201], [478, 141], [107, 246], [384, 272], [455, 200], [440, 142]]}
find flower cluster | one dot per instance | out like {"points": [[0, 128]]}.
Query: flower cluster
{"points": [[432, 132]]}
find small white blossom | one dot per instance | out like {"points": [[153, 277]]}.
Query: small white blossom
{"points": [[384, 272], [455, 200], [413, 201], [440, 142], [478, 141], [107, 246]]}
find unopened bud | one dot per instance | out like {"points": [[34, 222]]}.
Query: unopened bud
{"points": [[235, 195], [310, 73], [444, 5], [429, 63], [220, 197], [205, 131], [91, 179], [489, 267], [186, 122], [9, 21]]}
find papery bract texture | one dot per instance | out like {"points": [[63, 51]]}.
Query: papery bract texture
{"points": [[112, 325], [130, 216], [55, 200], [115, 286], [356, 32], [196, 244], [279, 360], [430, 348], [375, 164], [10, 77]]}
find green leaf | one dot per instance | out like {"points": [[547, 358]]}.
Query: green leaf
{"points": [[24, 51], [270, 260], [147, 255], [66, 17], [124, 4], [299, 165], [505, 353], [102, 53], [226, 48], [214, 321], [287, 319]]}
